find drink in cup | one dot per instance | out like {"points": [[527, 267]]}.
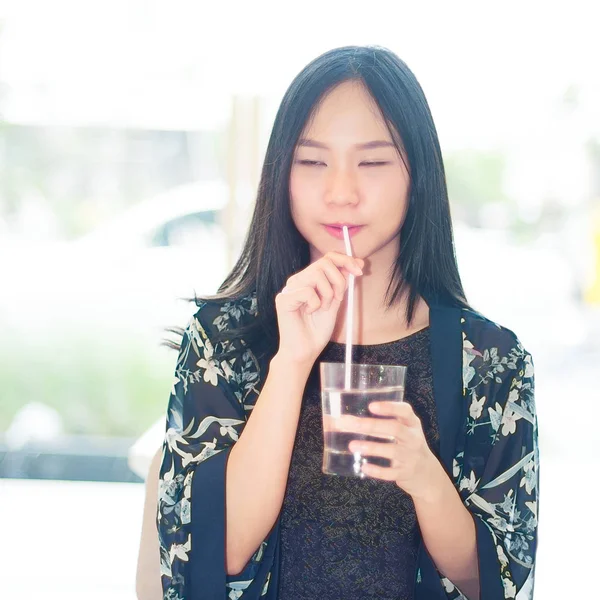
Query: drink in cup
{"points": [[349, 394]]}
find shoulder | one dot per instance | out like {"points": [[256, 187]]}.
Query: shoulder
{"points": [[492, 354], [219, 315], [483, 334], [215, 329], [222, 326], [214, 351]]}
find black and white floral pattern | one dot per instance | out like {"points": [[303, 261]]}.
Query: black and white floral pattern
{"points": [[495, 470]]}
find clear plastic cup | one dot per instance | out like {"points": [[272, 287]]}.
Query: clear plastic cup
{"points": [[368, 383]]}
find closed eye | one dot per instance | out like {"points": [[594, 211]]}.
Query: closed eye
{"points": [[317, 163], [310, 163]]}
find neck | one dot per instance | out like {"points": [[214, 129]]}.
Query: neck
{"points": [[373, 321]]}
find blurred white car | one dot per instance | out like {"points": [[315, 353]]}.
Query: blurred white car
{"points": [[127, 274]]}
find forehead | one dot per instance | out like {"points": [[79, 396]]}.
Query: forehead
{"points": [[347, 111]]}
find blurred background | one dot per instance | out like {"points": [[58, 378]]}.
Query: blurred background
{"points": [[131, 140]]}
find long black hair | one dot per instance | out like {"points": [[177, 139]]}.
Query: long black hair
{"points": [[274, 249]]}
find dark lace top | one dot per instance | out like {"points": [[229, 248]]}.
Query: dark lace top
{"points": [[346, 538]]}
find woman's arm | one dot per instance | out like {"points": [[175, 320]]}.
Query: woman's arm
{"points": [[259, 462], [147, 580], [448, 532], [498, 480]]}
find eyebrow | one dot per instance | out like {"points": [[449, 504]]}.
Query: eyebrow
{"points": [[306, 143]]}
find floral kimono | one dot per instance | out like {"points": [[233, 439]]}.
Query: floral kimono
{"points": [[483, 390]]}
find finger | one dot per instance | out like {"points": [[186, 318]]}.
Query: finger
{"points": [[350, 263], [399, 410], [377, 472], [335, 277], [324, 288], [380, 449], [386, 428], [293, 300], [336, 268], [315, 276], [315, 279]]}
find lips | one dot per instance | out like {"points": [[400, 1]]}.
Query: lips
{"points": [[336, 230]]}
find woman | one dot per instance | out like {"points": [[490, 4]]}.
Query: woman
{"points": [[243, 509]]}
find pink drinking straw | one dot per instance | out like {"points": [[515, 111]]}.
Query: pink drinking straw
{"points": [[349, 314]]}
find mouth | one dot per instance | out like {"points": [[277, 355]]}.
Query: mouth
{"points": [[337, 232]]}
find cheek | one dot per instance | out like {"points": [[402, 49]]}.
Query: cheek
{"points": [[303, 194], [301, 183], [390, 199]]}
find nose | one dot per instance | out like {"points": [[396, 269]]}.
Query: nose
{"points": [[341, 188]]}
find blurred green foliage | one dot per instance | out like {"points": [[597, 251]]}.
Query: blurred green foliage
{"points": [[475, 178], [97, 387]]}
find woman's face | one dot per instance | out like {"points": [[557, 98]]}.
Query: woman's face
{"points": [[347, 171]]}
